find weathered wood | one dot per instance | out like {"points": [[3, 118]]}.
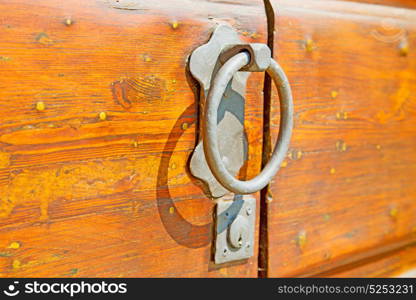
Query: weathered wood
{"points": [[98, 122], [400, 263], [347, 186], [398, 3]]}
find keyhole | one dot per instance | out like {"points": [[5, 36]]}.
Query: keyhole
{"points": [[237, 233], [240, 241]]}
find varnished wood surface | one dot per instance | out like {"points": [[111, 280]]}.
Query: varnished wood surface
{"points": [[347, 187], [98, 120], [398, 3], [97, 124], [400, 263]]}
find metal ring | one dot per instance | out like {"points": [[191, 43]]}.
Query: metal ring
{"points": [[211, 149]]}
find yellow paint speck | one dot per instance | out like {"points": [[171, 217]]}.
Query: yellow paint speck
{"points": [[224, 272], [16, 264], [295, 154], [185, 126], [301, 240], [403, 48], [68, 22], [135, 144], [342, 115], [147, 58], [102, 116], [255, 35], [40, 106], [175, 24], [309, 45], [72, 272], [173, 166], [332, 171], [14, 245], [171, 210], [341, 146], [284, 164], [173, 81], [334, 94], [393, 212]]}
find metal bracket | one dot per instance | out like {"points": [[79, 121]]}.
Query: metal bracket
{"points": [[235, 214], [220, 67], [204, 64], [235, 223]]}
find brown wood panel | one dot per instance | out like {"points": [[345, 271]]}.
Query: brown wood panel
{"points": [[398, 3], [347, 185], [97, 123], [401, 263]]}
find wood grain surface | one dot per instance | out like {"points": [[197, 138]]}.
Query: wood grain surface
{"points": [[347, 190], [401, 263], [398, 3], [98, 120], [97, 124]]}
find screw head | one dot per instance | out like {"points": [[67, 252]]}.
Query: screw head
{"points": [[249, 211], [225, 252], [248, 246], [240, 241]]}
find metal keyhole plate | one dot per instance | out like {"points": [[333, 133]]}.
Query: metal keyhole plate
{"points": [[235, 224]]}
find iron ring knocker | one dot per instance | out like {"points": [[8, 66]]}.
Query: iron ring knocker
{"points": [[209, 126]]}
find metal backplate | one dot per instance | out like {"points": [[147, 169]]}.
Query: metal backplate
{"points": [[204, 63], [235, 223]]}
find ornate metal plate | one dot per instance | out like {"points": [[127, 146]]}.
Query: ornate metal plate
{"points": [[204, 63]]}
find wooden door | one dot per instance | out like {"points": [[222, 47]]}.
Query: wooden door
{"points": [[344, 203], [99, 117]]}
